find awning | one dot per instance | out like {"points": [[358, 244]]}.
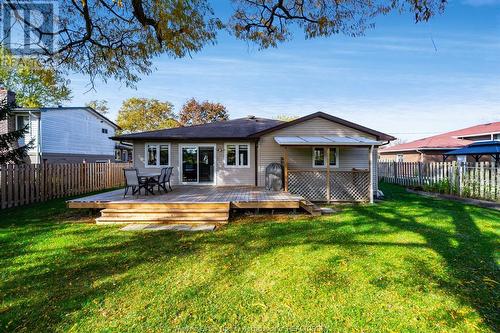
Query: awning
{"points": [[478, 148], [325, 141]]}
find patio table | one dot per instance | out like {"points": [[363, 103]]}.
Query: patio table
{"points": [[150, 178]]}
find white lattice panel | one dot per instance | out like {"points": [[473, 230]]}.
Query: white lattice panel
{"points": [[309, 184], [350, 186], [344, 185]]}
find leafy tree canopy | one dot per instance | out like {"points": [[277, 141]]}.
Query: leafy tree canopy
{"points": [[196, 113], [119, 38], [142, 114], [35, 85], [285, 117], [100, 106]]}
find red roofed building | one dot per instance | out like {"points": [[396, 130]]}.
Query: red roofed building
{"points": [[431, 149]]}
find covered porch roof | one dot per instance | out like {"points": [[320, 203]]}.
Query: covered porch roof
{"points": [[325, 141]]}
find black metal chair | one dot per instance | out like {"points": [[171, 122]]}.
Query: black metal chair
{"points": [[164, 179], [132, 180]]}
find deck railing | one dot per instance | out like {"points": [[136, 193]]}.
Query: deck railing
{"points": [[474, 180], [27, 183], [347, 186]]}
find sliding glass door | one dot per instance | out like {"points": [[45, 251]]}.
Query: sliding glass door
{"points": [[198, 164]]}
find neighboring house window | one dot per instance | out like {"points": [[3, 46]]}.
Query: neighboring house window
{"points": [[237, 155], [399, 158], [21, 122], [118, 155], [104, 130], [319, 157], [157, 154]]}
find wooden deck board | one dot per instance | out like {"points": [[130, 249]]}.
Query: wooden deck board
{"points": [[185, 204], [237, 196]]}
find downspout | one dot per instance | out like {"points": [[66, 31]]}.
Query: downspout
{"points": [[40, 151], [421, 155], [371, 173], [256, 157]]}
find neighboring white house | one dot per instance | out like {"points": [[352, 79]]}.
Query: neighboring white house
{"points": [[63, 134], [67, 134]]}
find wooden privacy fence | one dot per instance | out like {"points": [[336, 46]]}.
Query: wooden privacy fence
{"points": [[471, 180], [27, 183]]}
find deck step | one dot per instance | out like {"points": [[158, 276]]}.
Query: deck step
{"points": [[101, 220], [165, 213], [168, 205], [163, 210], [310, 207], [153, 217]]}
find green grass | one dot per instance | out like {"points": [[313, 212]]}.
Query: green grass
{"points": [[409, 263]]}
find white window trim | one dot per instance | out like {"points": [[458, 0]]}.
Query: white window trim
{"points": [[237, 166], [157, 144], [336, 165], [402, 158]]}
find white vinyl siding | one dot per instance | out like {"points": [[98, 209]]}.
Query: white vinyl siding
{"points": [[32, 119], [224, 176], [76, 131], [300, 157]]}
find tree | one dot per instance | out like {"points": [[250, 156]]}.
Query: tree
{"points": [[142, 114], [10, 152], [100, 106], [195, 113], [119, 38], [35, 85], [285, 117]]}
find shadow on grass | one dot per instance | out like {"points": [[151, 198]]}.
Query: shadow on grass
{"points": [[468, 253], [44, 284]]}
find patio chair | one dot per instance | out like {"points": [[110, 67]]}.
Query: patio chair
{"points": [[164, 179], [132, 180]]}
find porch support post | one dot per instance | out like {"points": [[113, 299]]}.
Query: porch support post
{"points": [[327, 157], [286, 169], [370, 167]]}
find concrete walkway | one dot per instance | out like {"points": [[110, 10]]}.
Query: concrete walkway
{"points": [[172, 227]]}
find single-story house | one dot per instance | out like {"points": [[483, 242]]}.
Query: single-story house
{"points": [[324, 158], [434, 148]]}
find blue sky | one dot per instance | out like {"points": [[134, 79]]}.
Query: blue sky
{"points": [[409, 80]]}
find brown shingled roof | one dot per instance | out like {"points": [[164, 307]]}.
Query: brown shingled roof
{"points": [[242, 128]]}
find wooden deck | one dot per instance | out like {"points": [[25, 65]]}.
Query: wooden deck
{"points": [[189, 204]]}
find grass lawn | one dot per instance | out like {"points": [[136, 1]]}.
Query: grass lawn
{"points": [[408, 264]]}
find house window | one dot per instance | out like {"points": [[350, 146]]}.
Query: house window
{"points": [[319, 158], [104, 130], [399, 158], [237, 155], [117, 155], [22, 121], [157, 154]]}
